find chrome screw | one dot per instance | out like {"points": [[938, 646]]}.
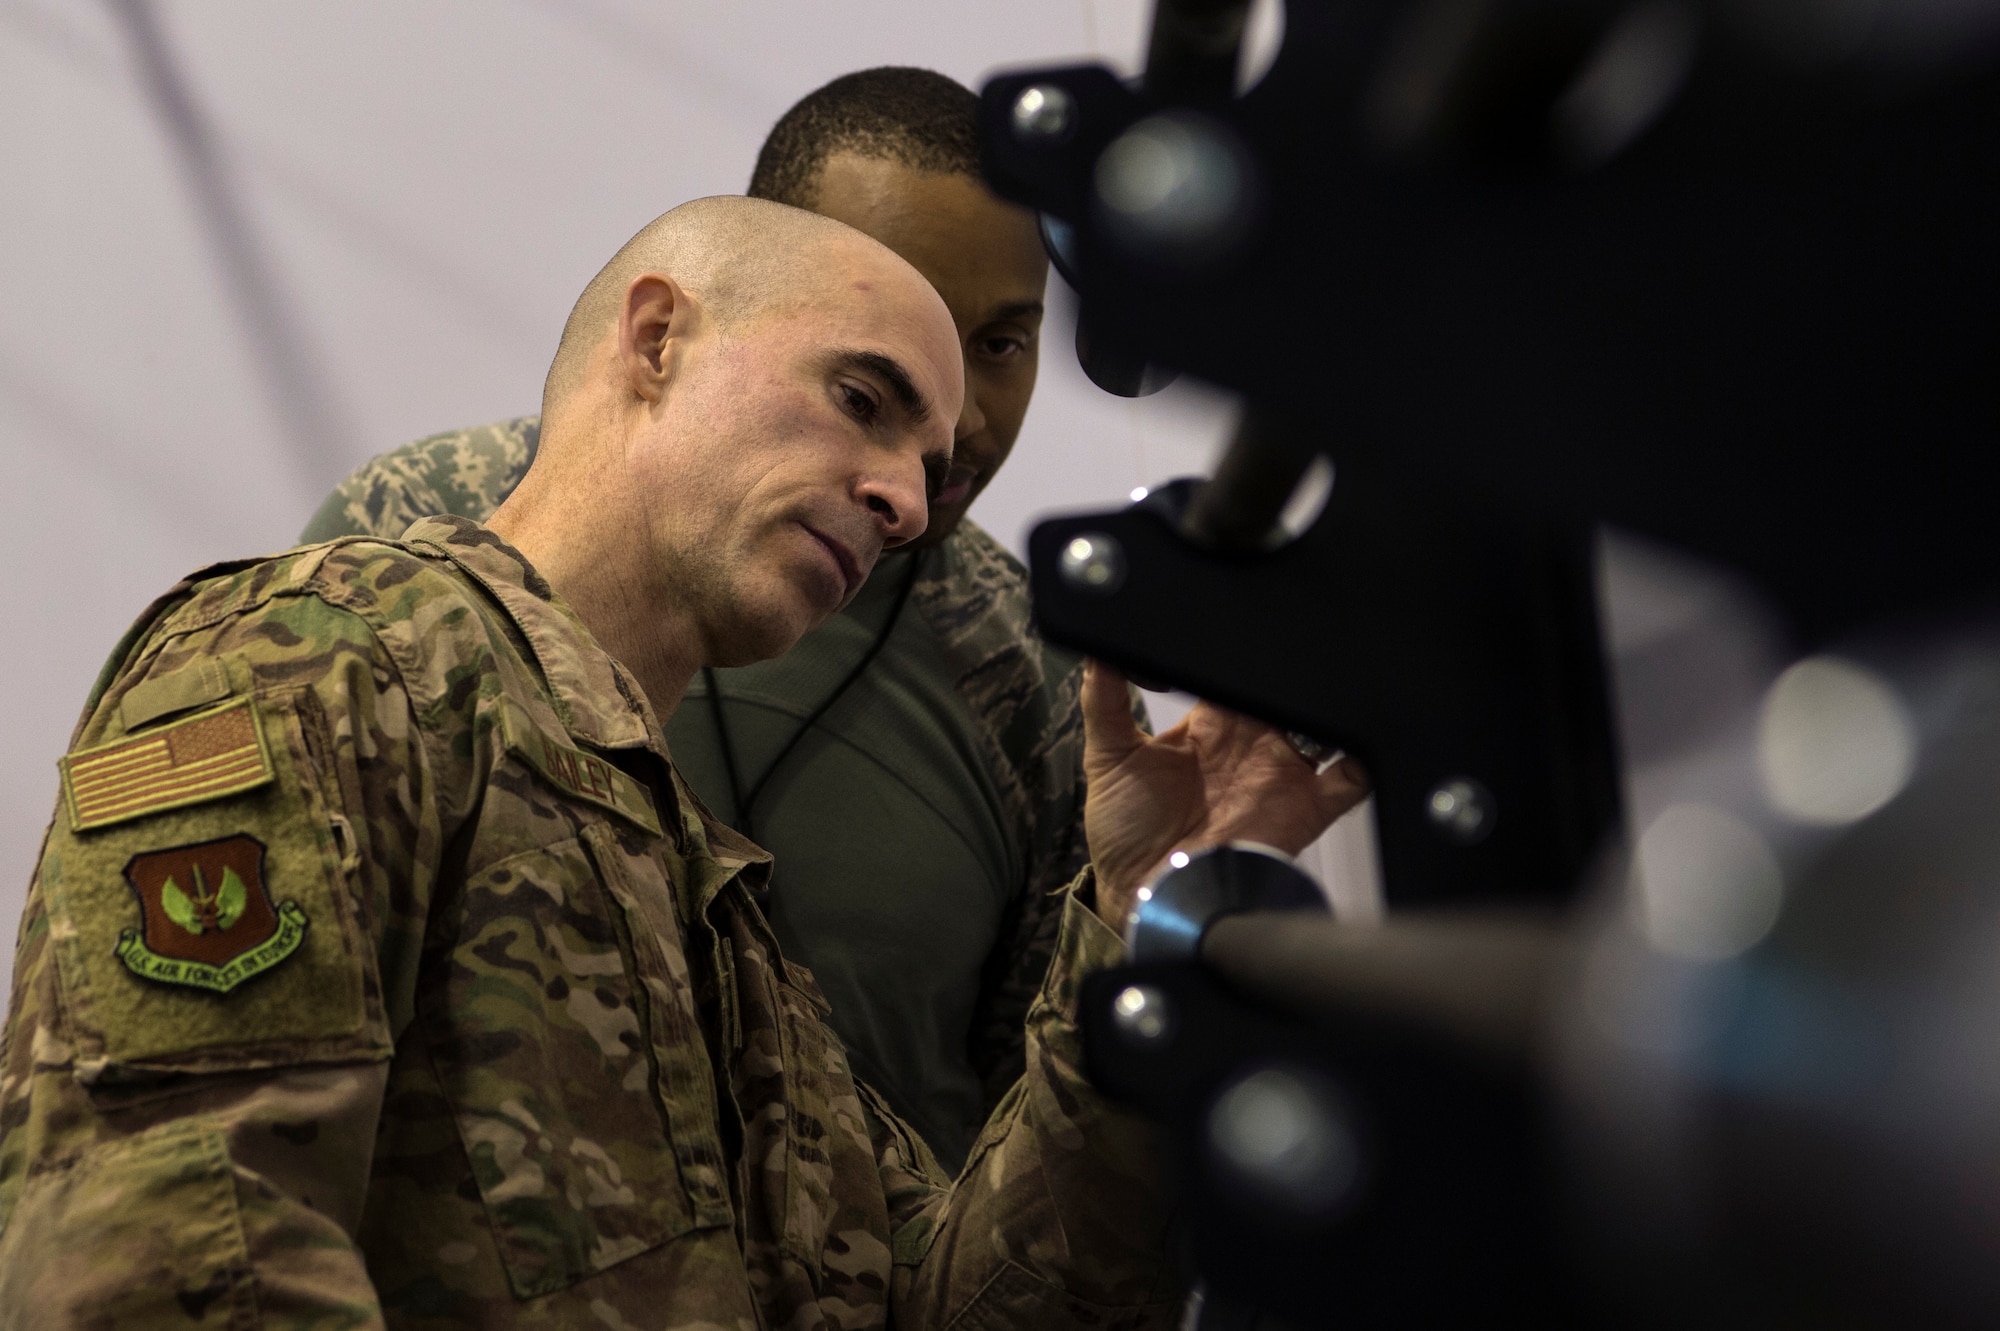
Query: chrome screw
{"points": [[1093, 562], [1177, 188], [1282, 1135], [1461, 809], [1142, 1014], [1043, 113]]}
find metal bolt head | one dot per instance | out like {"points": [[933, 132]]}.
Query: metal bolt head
{"points": [[1044, 113], [1143, 1014], [1462, 810], [1094, 563], [1282, 1136], [1178, 188]]}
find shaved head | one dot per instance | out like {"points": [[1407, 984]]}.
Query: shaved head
{"points": [[743, 259], [750, 403]]}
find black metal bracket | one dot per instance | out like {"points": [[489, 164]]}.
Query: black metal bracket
{"points": [[1446, 1156], [1438, 641]]}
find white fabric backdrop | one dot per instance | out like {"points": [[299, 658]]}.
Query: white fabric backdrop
{"points": [[247, 245]]}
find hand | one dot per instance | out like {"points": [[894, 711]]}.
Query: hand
{"points": [[1215, 777]]}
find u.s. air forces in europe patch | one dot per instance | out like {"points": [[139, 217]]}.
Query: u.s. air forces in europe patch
{"points": [[209, 920]]}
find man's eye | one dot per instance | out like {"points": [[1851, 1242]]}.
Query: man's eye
{"points": [[859, 403], [999, 346]]}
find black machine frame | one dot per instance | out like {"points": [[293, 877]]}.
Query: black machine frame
{"points": [[1719, 274]]}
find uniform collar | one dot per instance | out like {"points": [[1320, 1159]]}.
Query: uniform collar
{"points": [[597, 699]]}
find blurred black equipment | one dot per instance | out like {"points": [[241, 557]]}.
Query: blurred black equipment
{"points": [[1655, 349]]}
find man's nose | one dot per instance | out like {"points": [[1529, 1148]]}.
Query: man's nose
{"points": [[899, 501]]}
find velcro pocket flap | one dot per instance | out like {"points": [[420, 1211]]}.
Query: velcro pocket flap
{"points": [[202, 681]]}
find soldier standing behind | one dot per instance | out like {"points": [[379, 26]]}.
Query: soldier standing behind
{"points": [[379, 968], [915, 764]]}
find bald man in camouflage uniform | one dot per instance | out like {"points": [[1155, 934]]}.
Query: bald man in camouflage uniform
{"points": [[959, 744], [380, 969]]}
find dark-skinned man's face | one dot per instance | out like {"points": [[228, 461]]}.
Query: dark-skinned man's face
{"points": [[985, 259]]}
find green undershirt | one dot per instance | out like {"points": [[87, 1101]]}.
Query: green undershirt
{"points": [[890, 842]]}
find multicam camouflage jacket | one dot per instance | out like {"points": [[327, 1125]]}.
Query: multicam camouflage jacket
{"points": [[379, 969], [1023, 691]]}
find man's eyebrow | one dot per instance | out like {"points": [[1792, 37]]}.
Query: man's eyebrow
{"points": [[891, 372], [1017, 309]]}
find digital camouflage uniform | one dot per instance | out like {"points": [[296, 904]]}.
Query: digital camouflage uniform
{"points": [[379, 968], [1024, 692]]}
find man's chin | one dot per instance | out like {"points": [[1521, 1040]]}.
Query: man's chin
{"points": [[767, 636]]}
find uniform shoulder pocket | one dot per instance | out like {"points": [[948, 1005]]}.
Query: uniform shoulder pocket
{"points": [[541, 1041], [196, 904]]}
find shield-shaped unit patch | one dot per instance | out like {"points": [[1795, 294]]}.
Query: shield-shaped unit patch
{"points": [[209, 921]]}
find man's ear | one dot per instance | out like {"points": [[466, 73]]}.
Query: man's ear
{"points": [[656, 317]]}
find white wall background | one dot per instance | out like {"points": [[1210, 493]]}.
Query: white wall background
{"points": [[247, 243]]}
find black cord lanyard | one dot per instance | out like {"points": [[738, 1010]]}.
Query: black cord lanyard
{"points": [[744, 803]]}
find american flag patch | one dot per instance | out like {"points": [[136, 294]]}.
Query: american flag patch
{"points": [[205, 757]]}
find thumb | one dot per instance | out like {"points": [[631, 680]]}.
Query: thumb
{"points": [[1110, 734]]}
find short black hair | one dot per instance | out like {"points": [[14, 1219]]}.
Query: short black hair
{"points": [[913, 116]]}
